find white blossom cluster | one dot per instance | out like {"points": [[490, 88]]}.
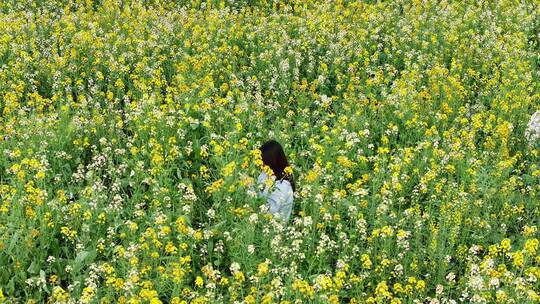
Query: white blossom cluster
{"points": [[532, 134]]}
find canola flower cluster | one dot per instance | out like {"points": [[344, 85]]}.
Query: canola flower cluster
{"points": [[129, 141]]}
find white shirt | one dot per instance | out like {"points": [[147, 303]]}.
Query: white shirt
{"points": [[280, 201]]}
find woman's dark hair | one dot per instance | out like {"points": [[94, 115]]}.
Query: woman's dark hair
{"points": [[274, 157]]}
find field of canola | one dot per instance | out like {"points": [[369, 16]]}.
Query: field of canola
{"points": [[130, 129]]}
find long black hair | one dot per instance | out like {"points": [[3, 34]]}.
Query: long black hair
{"points": [[274, 157]]}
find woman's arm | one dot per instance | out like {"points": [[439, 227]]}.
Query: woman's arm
{"points": [[256, 187], [273, 202]]}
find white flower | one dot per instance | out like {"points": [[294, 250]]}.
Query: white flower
{"points": [[532, 133], [211, 213], [494, 282], [439, 289], [448, 258], [252, 193], [450, 277], [398, 269], [251, 248], [325, 101], [253, 218], [308, 221], [186, 209], [235, 267], [476, 282]]}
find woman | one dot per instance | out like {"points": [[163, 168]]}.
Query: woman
{"points": [[280, 200]]}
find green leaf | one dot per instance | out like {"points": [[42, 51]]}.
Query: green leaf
{"points": [[14, 240], [10, 287], [82, 258], [33, 268], [42, 276]]}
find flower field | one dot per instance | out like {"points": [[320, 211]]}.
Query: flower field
{"points": [[129, 141]]}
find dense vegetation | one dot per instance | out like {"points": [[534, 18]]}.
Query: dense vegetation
{"points": [[130, 130]]}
